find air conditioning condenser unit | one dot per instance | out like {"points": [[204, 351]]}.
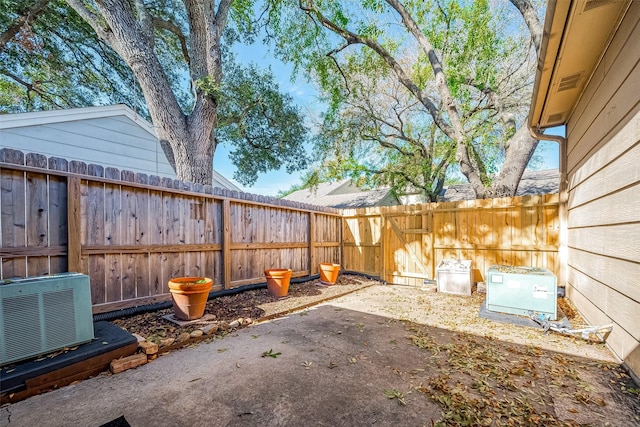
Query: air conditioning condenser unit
{"points": [[39, 315], [522, 291]]}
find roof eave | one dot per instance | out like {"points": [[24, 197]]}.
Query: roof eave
{"points": [[576, 37], [554, 24]]}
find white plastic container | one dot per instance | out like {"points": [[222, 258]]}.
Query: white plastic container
{"points": [[455, 276]]}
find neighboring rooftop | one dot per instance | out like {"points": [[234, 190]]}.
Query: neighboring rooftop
{"points": [[532, 182], [343, 195]]}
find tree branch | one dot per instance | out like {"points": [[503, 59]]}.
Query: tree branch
{"points": [[531, 19], [91, 18], [337, 64], [26, 18], [237, 119], [197, 41], [177, 31], [35, 87], [494, 101], [146, 21], [353, 38], [384, 143], [469, 163], [370, 115], [222, 13]]}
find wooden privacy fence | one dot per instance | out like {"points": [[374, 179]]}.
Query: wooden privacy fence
{"points": [[131, 232], [404, 244]]}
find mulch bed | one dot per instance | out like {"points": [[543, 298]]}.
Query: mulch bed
{"points": [[241, 309]]}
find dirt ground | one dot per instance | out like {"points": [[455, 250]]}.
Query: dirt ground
{"points": [[482, 372], [368, 354]]}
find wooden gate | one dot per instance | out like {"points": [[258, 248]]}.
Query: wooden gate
{"points": [[408, 244], [394, 242]]}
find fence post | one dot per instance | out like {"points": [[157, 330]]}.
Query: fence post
{"points": [[383, 246], [432, 238], [226, 243], [312, 242], [74, 246], [341, 225]]}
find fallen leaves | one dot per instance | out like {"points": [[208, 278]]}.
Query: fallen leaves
{"points": [[480, 382], [395, 394]]}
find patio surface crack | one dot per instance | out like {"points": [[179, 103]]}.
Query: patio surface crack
{"points": [[6, 413]]}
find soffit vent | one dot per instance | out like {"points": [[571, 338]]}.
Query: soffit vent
{"points": [[594, 4], [555, 118], [569, 82]]}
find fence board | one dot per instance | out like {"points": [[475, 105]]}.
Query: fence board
{"points": [[226, 242], [155, 236], [128, 230], [57, 222], [37, 216], [12, 217], [74, 224], [98, 278], [113, 277]]}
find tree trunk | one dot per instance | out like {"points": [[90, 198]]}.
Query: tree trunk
{"points": [[519, 151], [188, 140], [530, 17]]}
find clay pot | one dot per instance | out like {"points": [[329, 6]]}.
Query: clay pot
{"points": [[189, 295], [278, 281], [328, 273]]}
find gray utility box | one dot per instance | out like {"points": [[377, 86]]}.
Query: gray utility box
{"points": [[455, 276], [521, 290]]}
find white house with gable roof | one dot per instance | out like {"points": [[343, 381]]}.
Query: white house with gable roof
{"points": [[111, 136]]}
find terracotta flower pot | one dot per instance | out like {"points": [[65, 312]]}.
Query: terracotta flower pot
{"points": [[328, 273], [189, 295], [278, 281]]}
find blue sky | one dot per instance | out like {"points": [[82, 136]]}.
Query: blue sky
{"points": [[305, 96]]}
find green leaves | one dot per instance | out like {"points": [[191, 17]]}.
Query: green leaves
{"points": [[209, 86], [270, 353], [59, 62], [378, 130], [261, 125]]}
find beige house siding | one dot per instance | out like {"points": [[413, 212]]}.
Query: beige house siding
{"points": [[603, 172]]}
